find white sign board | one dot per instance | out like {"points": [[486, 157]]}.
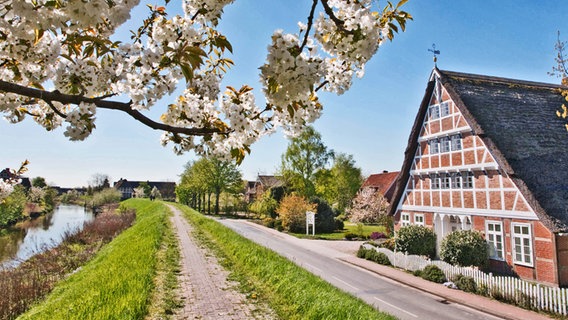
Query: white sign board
{"points": [[310, 219]]}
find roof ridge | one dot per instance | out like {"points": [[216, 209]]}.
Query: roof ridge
{"points": [[480, 77]]}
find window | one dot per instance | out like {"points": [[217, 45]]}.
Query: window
{"points": [[419, 219], [404, 219], [467, 180], [456, 180], [456, 142], [434, 112], [434, 146], [434, 181], [522, 244], [446, 181], [494, 237], [445, 144], [444, 109]]}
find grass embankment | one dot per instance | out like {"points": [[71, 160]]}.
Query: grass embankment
{"points": [[349, 227], [120, 281], [291, 291]]}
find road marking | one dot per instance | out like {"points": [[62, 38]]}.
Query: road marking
{"points": [[383, 301], [312, 267], [345, 283]]}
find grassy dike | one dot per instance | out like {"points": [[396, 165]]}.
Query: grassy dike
{"points": [[291, 291], [128, 279]]}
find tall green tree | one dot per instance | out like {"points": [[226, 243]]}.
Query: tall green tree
{"points": [[305, 156], [39, 182], [206, 177], [339, 184]]}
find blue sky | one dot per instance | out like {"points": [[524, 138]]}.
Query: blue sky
{"points": [[506, 38]]}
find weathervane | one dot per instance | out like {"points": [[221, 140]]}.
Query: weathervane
{"points": [[435, 52]]}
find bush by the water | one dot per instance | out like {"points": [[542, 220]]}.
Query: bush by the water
{"points": [[464, 248], [432, 273], [415, 239]]}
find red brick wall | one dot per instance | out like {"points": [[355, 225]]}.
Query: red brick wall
{"points": [[562, 248]]}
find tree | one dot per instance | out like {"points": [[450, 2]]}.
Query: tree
{"points": [[209, 176], [39, 182], [305, 156], [99, 181], [339, 184], [368, 207], [67, 45], [561, 71], [223, 175]]}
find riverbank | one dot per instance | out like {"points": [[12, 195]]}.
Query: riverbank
{"points": [[35, 278]]}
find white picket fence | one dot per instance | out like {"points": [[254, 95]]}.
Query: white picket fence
{"points": [[523, 293]]}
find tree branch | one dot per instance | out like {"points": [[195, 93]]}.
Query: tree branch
{"points": [[310, 23], [338, 22], [103, 104]]}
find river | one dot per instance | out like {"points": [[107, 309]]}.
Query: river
{"points": [[35, 236]]}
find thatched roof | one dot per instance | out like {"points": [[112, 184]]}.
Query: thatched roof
{"points": [[517, 121]]}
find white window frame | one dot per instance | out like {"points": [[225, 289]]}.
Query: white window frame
{"points": [[467, 180], [524, 238], [404, 219], [456, 142], [434, 111], [419, 219], [434, 182], [434, 146], [493, 238], [444, 109], [445, 144], [456, 180], [446, 181]]}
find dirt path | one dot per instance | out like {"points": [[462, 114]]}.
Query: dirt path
{"points": [[204, 287]]}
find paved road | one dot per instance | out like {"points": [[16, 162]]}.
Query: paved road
{"points": [[385, 295]]}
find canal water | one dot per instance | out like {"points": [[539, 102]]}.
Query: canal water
{"points": [[41, 234]]}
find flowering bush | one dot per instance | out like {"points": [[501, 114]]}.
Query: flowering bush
{"points": [[292, 212], [377, 235], [464, 248], [415, 239]]}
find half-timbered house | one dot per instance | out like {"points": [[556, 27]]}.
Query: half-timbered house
{"points": [[490, 154]]}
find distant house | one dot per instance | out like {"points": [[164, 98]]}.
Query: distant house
{"points": [[382, 183], [256, 188], [489, 154], [167, 189]]}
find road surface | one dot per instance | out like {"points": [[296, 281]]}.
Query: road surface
{"points": [[384, 294]]}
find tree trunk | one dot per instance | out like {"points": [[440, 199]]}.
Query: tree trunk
{"points": [[217, 194], [209, 203]]}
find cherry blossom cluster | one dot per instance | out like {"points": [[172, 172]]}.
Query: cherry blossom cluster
{"points": [[65, 45]]}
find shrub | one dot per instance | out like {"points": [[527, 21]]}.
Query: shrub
{"points": [[106, 196], [325, 216], [350, 236], [388, 244], [265, 205], [464, 248], [432, 273], [339, 225], [377, 235], [292, 211], [268, 222], [465, 283], [415, 239], [373, 255]]}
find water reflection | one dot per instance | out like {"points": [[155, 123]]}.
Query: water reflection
{"points": [[38, 235]]}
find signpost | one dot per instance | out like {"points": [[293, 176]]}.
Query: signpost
{"points": [[310, 219]]}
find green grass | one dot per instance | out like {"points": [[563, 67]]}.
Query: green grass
{"points": [[340, 235], [291, 291], [118, 283]]}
